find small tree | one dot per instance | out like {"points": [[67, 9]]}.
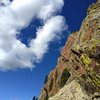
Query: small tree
{"points": [[34, 98], [46, 79]]}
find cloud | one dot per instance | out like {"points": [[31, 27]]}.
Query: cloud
{"points": [[47, 34], [16, 15], [5, 2]]}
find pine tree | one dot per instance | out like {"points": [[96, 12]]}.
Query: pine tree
{"points": [[34, 98], [46, 79]]}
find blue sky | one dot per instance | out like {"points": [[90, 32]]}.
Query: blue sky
{"points": [[19, 82]]}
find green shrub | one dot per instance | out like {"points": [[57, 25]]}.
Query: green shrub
{"points": [[64, 77], [46, 79]]}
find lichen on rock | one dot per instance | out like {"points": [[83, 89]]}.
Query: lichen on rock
{"points": [[81, 57]]}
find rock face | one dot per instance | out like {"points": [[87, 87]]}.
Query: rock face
{"points": [[71, 91], [74, 91], [77, 74], [98, 1]]}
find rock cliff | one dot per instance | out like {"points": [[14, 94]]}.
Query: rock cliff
{"points": [[77, 74]]}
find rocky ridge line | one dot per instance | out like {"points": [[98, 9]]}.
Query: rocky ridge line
{"points": [[79, 64]]}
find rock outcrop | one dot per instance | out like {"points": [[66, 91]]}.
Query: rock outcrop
{"points": [[98, 1], [77, 74], [71, 91]]}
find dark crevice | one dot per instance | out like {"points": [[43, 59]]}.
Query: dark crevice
{"points": [[78, 54], [46, 98]]}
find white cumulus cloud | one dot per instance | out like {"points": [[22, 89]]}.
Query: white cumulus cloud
{"points": [[16, 15]]}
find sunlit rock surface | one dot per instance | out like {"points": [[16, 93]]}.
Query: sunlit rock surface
{"points": [[77, 74]]}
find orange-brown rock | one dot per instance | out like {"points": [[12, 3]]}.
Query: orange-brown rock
{"points": [[53, 84], [79, 60]]}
